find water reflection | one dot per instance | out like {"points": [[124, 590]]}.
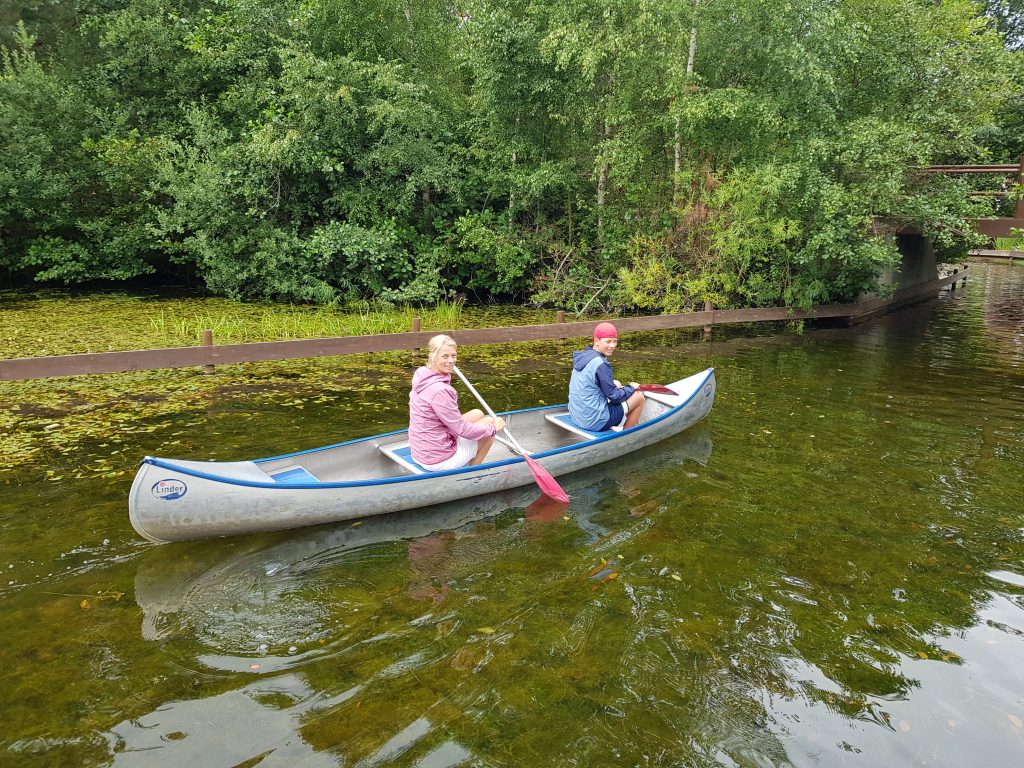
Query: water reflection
{"points": [[387, 600], [842, 583], [240, 593]]}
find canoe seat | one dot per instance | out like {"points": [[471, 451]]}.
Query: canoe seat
{"points": [[401, 454], [563, 421], [294, 474]]}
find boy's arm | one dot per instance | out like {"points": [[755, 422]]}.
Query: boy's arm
{"points": [[606, 383]]}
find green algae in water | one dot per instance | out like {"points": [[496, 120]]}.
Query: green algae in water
{"points": [[845, 529], [46, 420]]}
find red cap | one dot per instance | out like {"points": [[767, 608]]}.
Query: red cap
{"points": [[605, 331]]}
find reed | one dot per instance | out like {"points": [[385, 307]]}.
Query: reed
{"points": [[294, 322], [1009, 243]]}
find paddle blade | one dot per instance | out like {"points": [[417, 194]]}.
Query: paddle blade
{"points": [[544, 509], [657, 389], [545, 481]]}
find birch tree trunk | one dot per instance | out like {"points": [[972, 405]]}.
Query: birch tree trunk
{"points": [[678, 166], [602, 184], [602, 173], [512, 185]]}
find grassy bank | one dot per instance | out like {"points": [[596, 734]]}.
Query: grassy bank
{"points": [[55, 324]]}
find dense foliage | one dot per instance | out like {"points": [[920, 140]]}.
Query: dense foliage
{"points": [[626, 153]]}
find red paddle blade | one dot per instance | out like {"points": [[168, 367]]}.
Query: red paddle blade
{"points": [[545, 481], [657, 389], [544, 509]]}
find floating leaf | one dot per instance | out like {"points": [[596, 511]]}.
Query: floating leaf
{"points": [[85, 605], [486, 630], [904, 726], [677, 577], [1017, 722], [922, 655]]}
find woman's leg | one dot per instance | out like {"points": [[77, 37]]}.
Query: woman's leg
{"points": [[483, 445]]}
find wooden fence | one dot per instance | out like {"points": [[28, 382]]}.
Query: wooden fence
{"points": [[209, 355]]}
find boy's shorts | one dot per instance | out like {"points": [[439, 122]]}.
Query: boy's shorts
{"points": [[616, 416]]}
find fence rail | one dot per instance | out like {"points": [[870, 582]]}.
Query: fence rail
{"points": [[209, 355]]}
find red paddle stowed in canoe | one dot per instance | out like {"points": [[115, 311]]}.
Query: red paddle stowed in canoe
{"points": [[657, 389], [544, 479]]}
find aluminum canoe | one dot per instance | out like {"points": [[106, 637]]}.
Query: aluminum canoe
{"points": [[176, 500]]}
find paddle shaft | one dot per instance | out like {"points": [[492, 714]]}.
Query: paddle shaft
{"points": [[547, 484], [487, 408]]}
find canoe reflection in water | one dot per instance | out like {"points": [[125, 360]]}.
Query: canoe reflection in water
{"points": [[239, 593], [303, 634]]}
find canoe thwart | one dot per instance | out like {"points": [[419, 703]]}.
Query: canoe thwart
{"points": [[565, 422], [401, 454], [671, 400]]}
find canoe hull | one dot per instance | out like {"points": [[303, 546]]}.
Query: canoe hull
{"points": [[180, 500]]}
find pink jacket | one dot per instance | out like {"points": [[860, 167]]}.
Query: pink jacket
{"points": [[435, 419]]}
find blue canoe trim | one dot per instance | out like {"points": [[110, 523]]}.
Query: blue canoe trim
{"points": [[610, 435]]}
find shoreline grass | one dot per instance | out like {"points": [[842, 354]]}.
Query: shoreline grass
{"points": [[294, 322]]}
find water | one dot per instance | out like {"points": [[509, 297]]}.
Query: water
{"points": [[828, 571]]}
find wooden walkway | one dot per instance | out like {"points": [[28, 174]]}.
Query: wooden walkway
{"points": [[209, 355], [991, 253]]}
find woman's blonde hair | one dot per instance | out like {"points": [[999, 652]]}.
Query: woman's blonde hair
{"points": [[436, 344]]}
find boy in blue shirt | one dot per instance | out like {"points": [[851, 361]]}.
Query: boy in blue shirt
{"points": [[597, 401]]}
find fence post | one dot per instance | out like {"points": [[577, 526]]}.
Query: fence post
{"points": [[208, 342], [1018, 211], [707, 328], [416, 325], [560, 318]]}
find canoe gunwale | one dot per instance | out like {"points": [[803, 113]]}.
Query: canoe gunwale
{"points": [[477, 468]]}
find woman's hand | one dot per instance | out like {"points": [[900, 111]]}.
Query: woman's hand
{"points": [[499, 424]]}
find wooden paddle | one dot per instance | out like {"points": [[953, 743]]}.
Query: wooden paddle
{"points": [[542, 477]]}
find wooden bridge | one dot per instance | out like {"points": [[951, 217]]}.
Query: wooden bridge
{"points": [[996, 227]]}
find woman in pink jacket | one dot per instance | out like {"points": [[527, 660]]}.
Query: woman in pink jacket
{"points": [[439, 435]]}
